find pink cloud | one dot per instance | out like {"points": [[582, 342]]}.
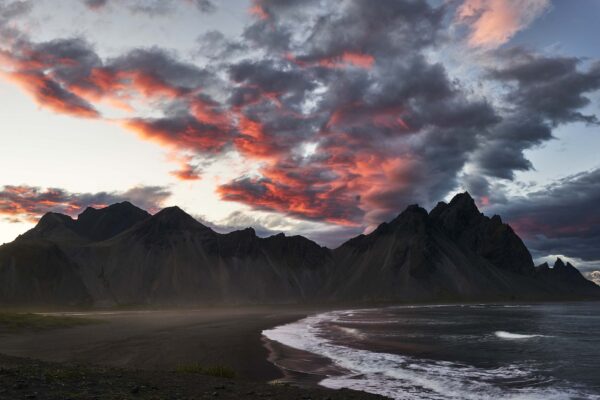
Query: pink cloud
{"points": [[494, 22]]}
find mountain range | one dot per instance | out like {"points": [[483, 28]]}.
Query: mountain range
{"points": [[122, 255]]}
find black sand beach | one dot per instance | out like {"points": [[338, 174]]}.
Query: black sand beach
{"points": [[140, 354]]}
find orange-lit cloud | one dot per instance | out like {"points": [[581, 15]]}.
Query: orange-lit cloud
{"points": [[359, 60], [494, 22], [347, 58], [48, 93], [259, 11], [186, 171], [179, 133], [289, 199], [28, 203]]}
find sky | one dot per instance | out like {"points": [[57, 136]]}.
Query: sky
{"points": [[320, 118]]}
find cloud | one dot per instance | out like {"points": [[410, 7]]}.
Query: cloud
{"points": [[187, 171], [40, 69], [205, 6], [594, 276], [494, 22], [562, 218], [539, 93], [378, 123], [52, 95], [152, 8], [552, 87], [216, 46], [342, 109], [12, 9], [292, 196], [183, 132], [268, 224], [95, 4], [29, 203], [68, 77]]}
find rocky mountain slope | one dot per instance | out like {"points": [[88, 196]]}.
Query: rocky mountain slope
{"points": [[121, 255]]}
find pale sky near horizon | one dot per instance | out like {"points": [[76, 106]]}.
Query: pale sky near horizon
{"points": [[308, 122]]}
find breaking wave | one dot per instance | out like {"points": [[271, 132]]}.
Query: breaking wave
{"points": [[407, 377], [509, 335]]}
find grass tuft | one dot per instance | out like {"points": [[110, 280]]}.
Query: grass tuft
{"points": [[195, 368]]}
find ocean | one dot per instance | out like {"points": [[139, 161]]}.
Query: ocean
{"points": [[504, 351]]}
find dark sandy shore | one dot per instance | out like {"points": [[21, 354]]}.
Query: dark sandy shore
{"points": [[135, 354]]}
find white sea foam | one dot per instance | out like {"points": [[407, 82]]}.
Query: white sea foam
{"points": [[351, 331], [512, 336], [403, 377]]}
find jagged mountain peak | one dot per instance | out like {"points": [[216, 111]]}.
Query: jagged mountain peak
{"points": [[298, 239], [463, 198], [93, 224], [243, 235], [104, 223], [462, 221], [174, 218], [414, 218], [124, 206], [461, 208], [249, 230], [559, 264], [51, 218], [173, 213], [54, 226], [412, 211], [543, 267]]}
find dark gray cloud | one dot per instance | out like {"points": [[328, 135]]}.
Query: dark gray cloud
{"points": [[163, 65], [153, 8], [12, 9], [218, 47], [69, 60], [205, 6], [95, 4], [501, 150], [379, 28], [552, 88], [540, 93], [562, 218]]}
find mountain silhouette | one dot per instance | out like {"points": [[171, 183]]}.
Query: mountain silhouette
{"points": [[122, 255]]}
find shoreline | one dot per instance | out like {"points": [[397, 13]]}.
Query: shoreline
{"points": [[289, 360]]}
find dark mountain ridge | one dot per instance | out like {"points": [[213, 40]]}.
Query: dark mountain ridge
{"points": [[91, 225], [123, 255]]}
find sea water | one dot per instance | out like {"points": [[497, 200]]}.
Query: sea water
{"points": [[529, 351]]}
